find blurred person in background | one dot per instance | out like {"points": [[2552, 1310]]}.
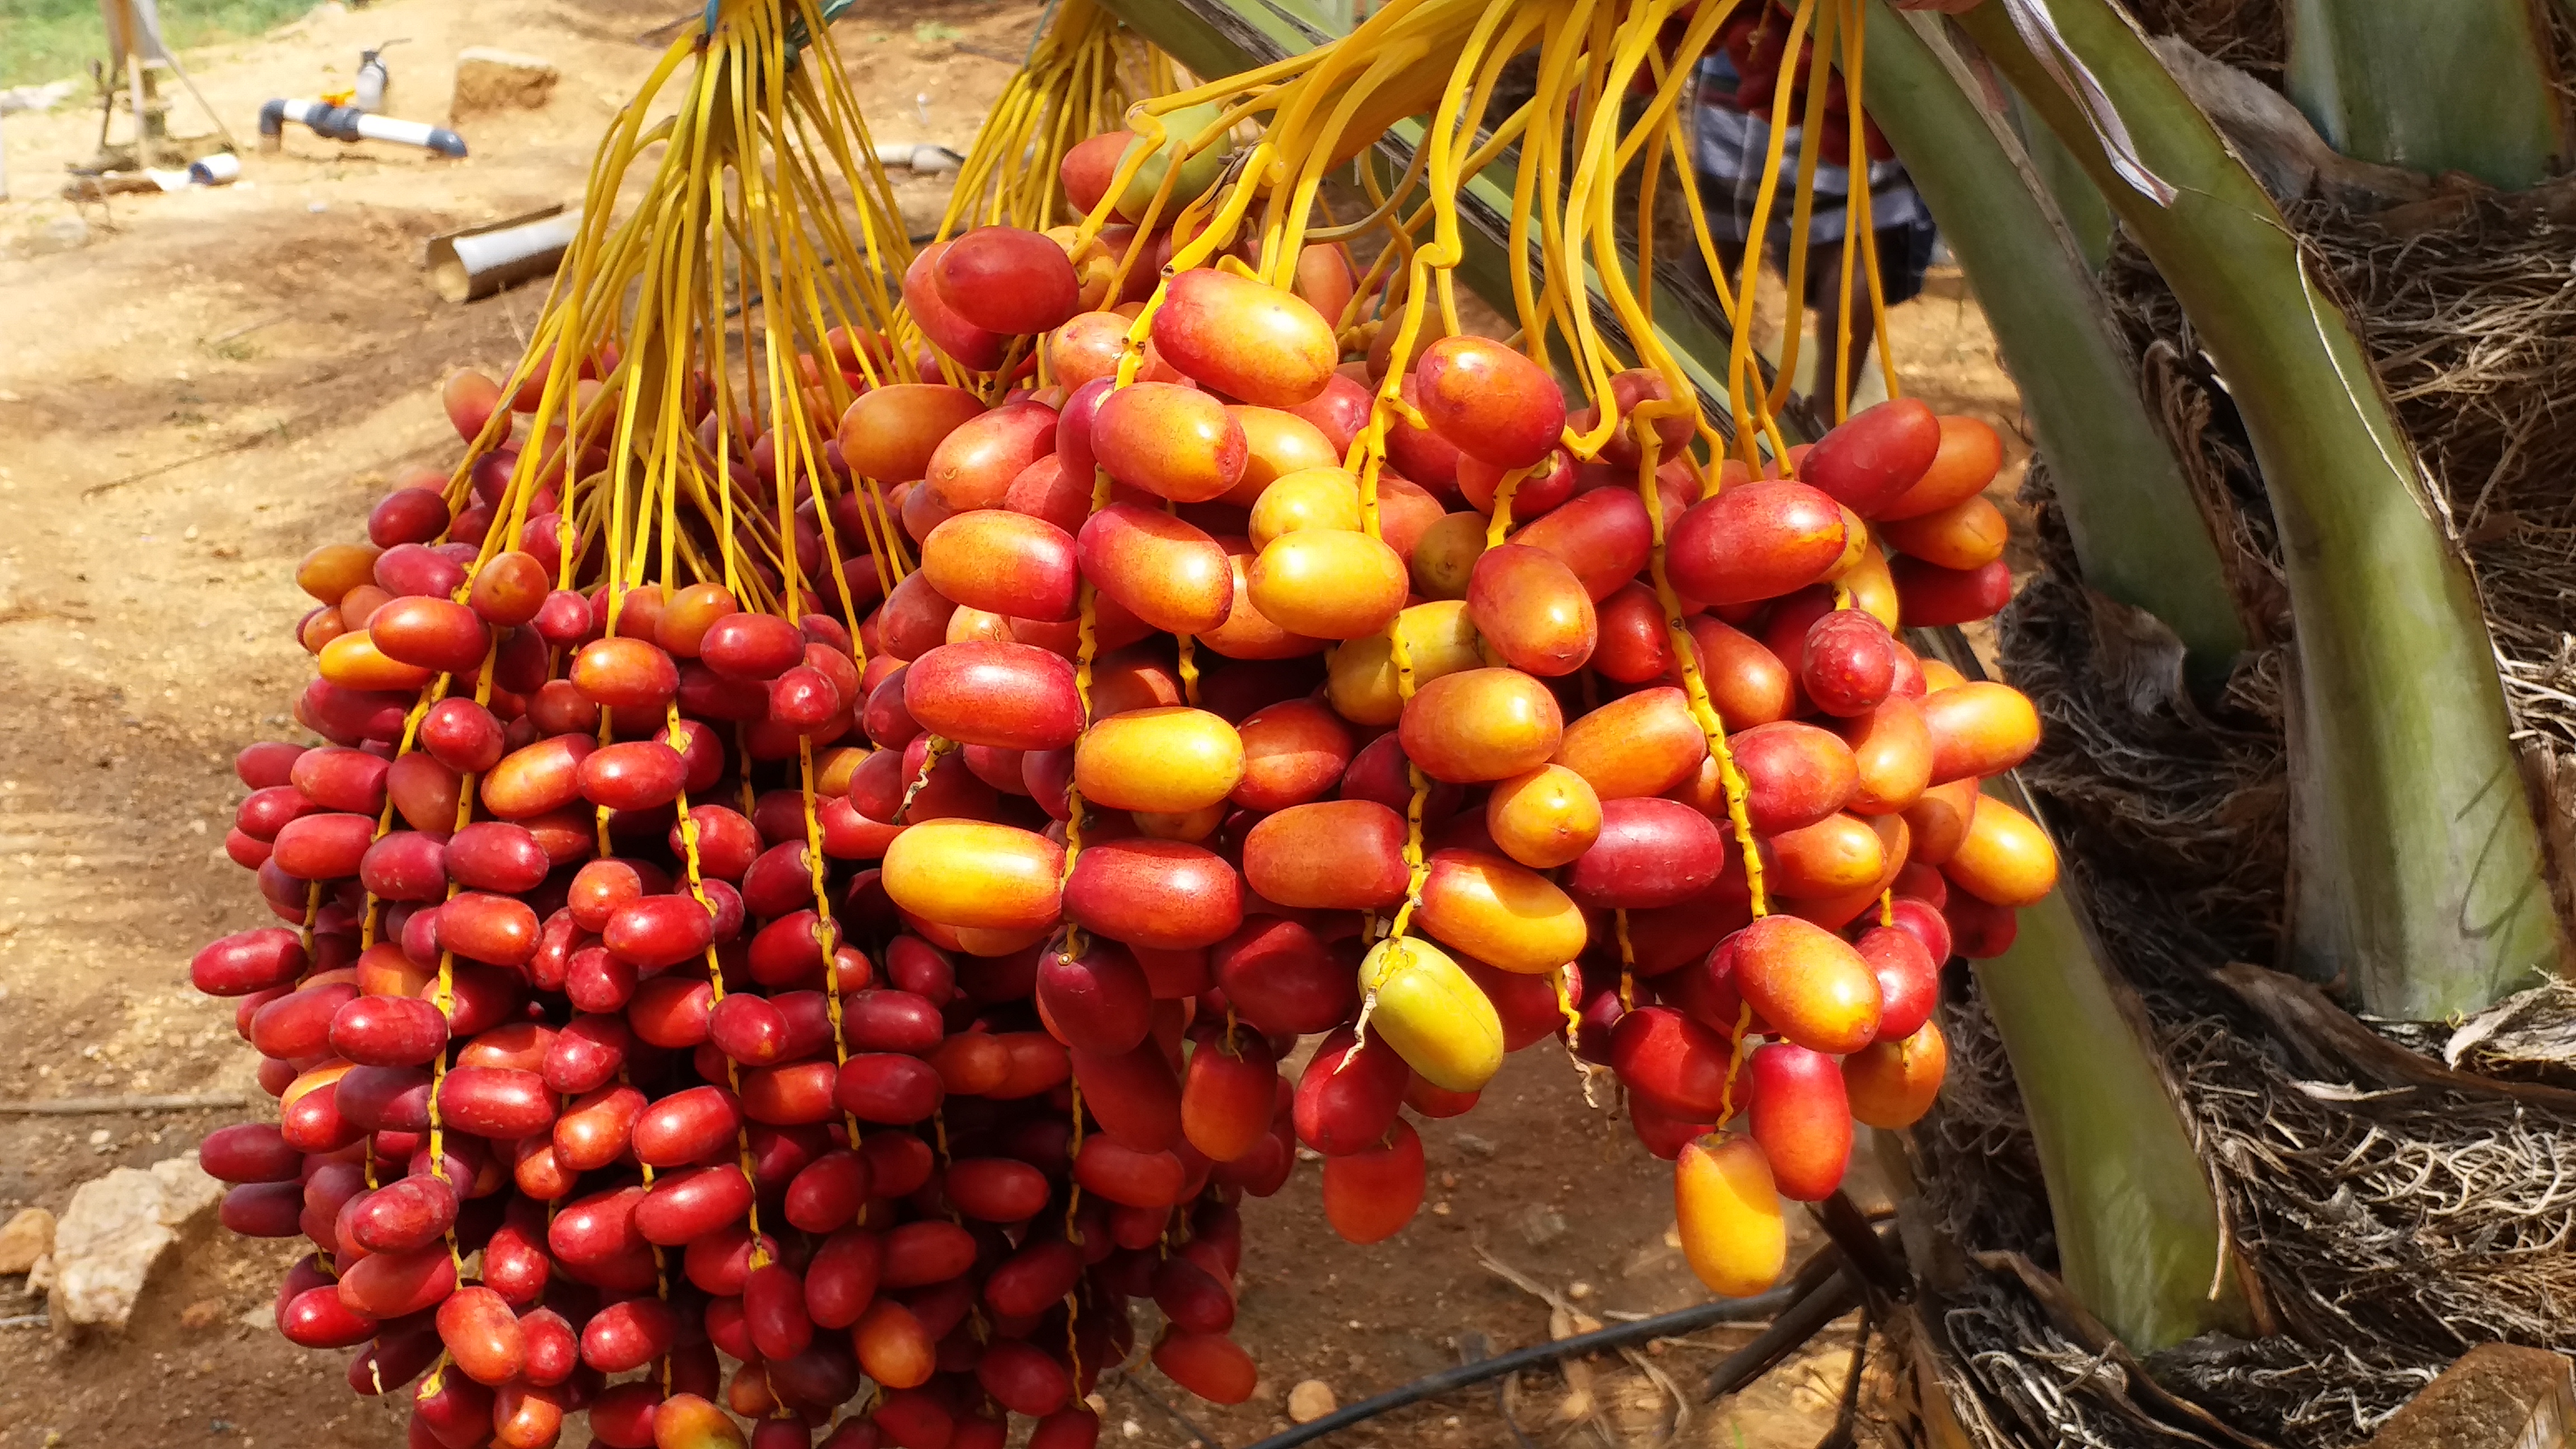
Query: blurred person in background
{"points": [[1734, 138]]}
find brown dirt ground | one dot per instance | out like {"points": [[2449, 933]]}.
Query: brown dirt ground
{"points": [[217, 381]]}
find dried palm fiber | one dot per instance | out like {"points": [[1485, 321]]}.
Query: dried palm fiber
{"points": [[2528, 1037], [2390, 1214], [2248, 34]]}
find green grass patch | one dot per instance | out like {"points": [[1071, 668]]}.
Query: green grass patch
{"points": [[46, 40]]}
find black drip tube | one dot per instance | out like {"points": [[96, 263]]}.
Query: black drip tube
{"points": [[1779, 1301]]}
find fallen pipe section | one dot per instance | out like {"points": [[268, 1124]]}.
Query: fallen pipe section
{"points": [[348, 123]]}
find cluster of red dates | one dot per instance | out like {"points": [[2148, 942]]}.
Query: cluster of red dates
{"points": [[887, 995]]}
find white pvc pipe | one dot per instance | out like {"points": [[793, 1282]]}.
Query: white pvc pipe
{"points": [[471, 267], [347, 123]]}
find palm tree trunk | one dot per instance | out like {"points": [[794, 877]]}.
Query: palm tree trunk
{"points": [[2419, 886]]}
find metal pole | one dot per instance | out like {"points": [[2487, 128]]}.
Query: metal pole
{"points": [[134, 98]]}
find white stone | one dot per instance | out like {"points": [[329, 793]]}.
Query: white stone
{"points": [[105, 1247], [187, 1193], [34, 98], [1540, 1224]]}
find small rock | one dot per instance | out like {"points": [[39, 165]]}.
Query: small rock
{"points": [[62, 234], [1475, 1146], [1539, 1224], [1578, 1290], [105, 1247], [490, 79], [201, 1315], [40, 1278], [26, 1239], [261, 1316], [1653, 1258], [1310, 1401], [34, 98], [929, 158]]}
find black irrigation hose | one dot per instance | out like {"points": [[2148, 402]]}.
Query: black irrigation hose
{"points": [[1830, 1300], [1472, 1348], [1620, 1335], [1197, 1434]]}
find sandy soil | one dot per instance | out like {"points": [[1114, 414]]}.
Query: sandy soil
{"points": [[197, 388]]}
